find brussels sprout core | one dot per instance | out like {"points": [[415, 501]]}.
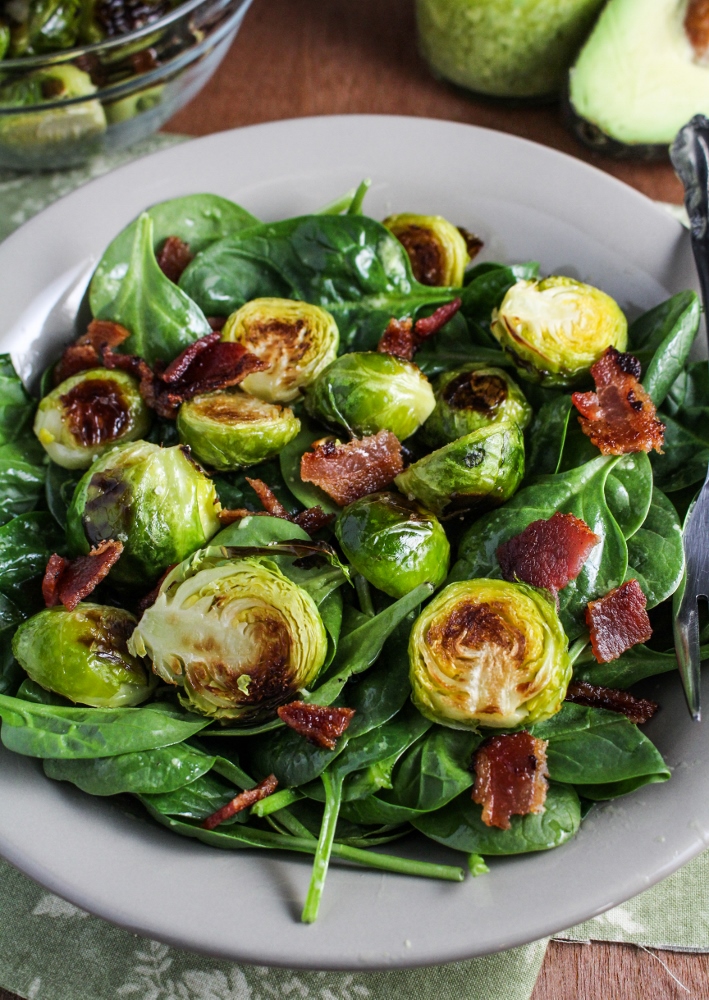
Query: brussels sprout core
{"points": [[238, 636], [155, 500], [87, 414], [370, 392], [555, 329], [83, 655], [473, 397], [296, 340], [394, 543], [486, 465], [436, 249], [230, 430], [489, 653]]}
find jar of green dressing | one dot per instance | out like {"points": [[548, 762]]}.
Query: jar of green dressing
{"points": [[504, 48]]}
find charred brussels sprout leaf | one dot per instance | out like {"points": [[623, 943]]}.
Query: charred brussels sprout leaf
{"points": [[436, 249], [231, 430], [394, 543], [89, 413], [295, 340], [471, 397], [489, 653], [370, 392], [156, 501], [485, 466], [237, 635], [82, 655], [555, 329]]}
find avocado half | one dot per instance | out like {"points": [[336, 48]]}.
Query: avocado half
{"points": [[642, 74]]}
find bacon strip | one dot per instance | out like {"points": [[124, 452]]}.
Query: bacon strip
{"points": [[319, 724], [174, 257], [403, 338], [68, 582], [310, 520], [548, 553], [638, 710], [618, 621], [244, 800], [510, 777], [85, 352], [349, 471], [619, 417], [268, 498]]}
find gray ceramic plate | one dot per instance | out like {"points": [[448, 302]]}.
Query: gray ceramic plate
{"points": [[526, 202]]}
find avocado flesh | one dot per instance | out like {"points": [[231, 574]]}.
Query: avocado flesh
{"points": [[637, 80]]}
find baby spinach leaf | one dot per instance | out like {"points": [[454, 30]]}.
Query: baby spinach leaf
{"points": [[580, 492], [460, 342], [234, 492], [662, 339], [60, 486], [162, 320], [196, 800], [686, 416], [547, 436], [37, 730], [655, 553], [16, 405], [630, 668], [22, 475], [11, 673], [486, 286], [629, 492], [26, 543], [350, 264], [198, 219], [435, 770], [459, 825]]}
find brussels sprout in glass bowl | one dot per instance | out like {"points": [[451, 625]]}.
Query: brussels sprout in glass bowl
{"points": [[103, 81]]}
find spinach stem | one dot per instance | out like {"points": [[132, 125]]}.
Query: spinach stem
{"points": [[577, 648], [333, 797], [279, 800], [364, 595], [339, 205], [285, 820], [355, 207]]}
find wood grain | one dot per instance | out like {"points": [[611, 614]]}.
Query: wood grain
{"points": [[315, 57]]}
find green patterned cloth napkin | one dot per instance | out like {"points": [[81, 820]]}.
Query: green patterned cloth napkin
{"points": [[50, 950]]}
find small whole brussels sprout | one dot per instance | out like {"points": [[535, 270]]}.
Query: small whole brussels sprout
{"points": [[230, 430], [236, 635], [472, 397], [489, 653], [436, 249], [296, 340], [486, 465], [157, 501], [394, 543], [83, 655], [89, 413], [369, 392], [556, 328]]}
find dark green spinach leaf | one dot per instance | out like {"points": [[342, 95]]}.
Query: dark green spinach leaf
{"points": [[655, 553]]}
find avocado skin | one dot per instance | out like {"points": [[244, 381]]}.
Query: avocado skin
{"points": [[600, 142]]}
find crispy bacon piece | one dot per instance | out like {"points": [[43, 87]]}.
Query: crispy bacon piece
{"points": [[619, 417], [68, 582], [548, 553], [217, 322], [272, 505], [510, 777], [244, 800], [638, 710], [321, 725], [473, 243], [313, 519], [403, 338], [696, 26], [174, 257], [85, 352], [227, 516], [618, 621], [310, 520], [349, 471]]}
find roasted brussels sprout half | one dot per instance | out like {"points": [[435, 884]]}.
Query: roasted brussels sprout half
{"points": [[230, 430], [53, 24], [296, 340], [82, 655], [556, 328], [87, 414], [370, 392], [155, 500], [437, 250], [236, 635], [472, 397], [394, 543], [489, 653], [486, 466]]}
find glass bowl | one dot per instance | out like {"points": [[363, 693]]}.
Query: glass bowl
{"points": [[106, 96]]}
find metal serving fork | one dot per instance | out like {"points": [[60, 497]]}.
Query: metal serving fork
{"points": [[690, 158]]}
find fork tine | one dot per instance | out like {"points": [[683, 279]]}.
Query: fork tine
{"points": [[695, 584], [686, 633]]}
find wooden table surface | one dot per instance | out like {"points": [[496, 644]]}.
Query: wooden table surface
{"points": [[314, 57]]}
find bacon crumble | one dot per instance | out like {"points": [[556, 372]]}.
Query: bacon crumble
{"points": [[349, 471], [402, 337], [244, 800], [619, 417], [86, 351], [510, 777], [319, 724], [637, 710], [310, 520], [68, 582], [618, 621], [174, 257], [549, 553]]}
